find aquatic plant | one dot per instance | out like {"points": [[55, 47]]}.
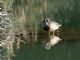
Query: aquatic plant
{"points": [[7, 31]]}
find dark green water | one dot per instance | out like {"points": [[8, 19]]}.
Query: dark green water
{"points": [[64, 50], [66, 12]]}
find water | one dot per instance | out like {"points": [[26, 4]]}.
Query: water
{"points": [[67, 49], [64, 50]]}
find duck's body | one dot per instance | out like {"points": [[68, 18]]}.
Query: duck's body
{"points": [[54, 26]]}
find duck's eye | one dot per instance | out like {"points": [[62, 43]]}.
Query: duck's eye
{"points": [[45, 20]]}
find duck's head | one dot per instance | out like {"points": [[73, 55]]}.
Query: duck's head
{"points": [[46, 20]]}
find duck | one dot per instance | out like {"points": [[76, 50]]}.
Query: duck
{"points": [[51, 27]]}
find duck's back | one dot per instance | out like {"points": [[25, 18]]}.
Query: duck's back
{"points": [[54, 26]]}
